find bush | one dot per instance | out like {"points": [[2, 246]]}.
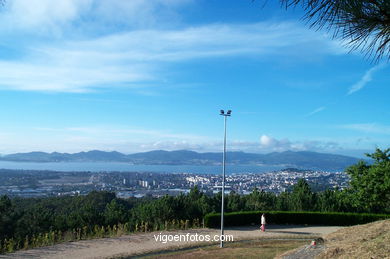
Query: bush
{"points": [[213, 220]]}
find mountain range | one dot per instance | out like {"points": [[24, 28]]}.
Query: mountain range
{"points": [[301, 159]]}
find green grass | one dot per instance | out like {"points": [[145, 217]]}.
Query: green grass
{"points": [[244, 249]]}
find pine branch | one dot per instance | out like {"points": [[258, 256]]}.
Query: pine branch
{"points": [[363, 24]]}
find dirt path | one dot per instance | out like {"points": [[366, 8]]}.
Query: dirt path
{"points": [[145, 242]]}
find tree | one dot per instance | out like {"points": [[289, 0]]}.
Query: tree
{"points": [[235, 202], [282, 201], [197, 204], [362, 24], [302, 198], [6, 217], [253, 201], [116, 212], [370, 183], [260, 200]]}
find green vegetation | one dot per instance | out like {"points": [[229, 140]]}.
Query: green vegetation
{"points": [[292, 217], [26, 223], [370, 184]]}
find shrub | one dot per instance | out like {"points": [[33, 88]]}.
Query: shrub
{"points": [[213, 220]]}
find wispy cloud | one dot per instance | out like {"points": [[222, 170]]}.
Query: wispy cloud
{"points": [[368, 128], [61, 17], [125, 59], [86, 45], [319, 109], [121, 132], [367, 77], [54, 76]]}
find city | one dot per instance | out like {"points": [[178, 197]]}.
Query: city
{"points": [[30, 183]]}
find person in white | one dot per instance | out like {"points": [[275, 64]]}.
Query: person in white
{"points": [[263, 222]]}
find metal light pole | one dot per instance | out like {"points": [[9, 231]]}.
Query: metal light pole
{"points": [[225, 115]]}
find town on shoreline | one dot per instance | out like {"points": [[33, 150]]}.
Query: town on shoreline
{"points": [[36, 183]]}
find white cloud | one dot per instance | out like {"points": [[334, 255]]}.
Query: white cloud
{"points": [[132, 58], [56, 77], [368, 128], [319, 109], [121, 138], [120, 132], [270, 144], [267, 142], [367, 77], [48, 17]]}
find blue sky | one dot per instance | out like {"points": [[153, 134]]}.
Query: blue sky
{"points": [[141, 75]]}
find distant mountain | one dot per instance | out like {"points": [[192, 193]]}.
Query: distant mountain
{"points": [[90, 156], [302, 159]]}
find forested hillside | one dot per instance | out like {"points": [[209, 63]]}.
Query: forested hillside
{"points": [[29, 222]]}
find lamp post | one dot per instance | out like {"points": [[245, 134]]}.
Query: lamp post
{"points": [[225, 115]]}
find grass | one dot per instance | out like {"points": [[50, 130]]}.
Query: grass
{"points": [[363, 241], [244, 249]]}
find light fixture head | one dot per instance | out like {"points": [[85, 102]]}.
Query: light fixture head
{"points": [[222, 112], [229, 112]]}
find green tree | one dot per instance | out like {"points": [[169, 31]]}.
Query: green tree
{"points": [[302, 198], [235, 202], [196, 204], [283, 201], [253, 201], [327, 201], [115, 213], [6, 217], [260, 200], [370, 183]]}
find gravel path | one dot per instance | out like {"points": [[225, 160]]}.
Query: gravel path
{"points": [[141, 243]]}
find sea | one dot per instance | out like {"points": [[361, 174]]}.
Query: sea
{"points": [[126, 167]]}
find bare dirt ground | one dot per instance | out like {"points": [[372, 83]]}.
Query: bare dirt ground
{"points": [[142, 243]]}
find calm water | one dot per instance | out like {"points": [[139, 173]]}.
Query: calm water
{"points": [[113, 166]]}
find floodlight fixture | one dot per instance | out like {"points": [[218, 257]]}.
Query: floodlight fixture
{"points": [[228, 113]]}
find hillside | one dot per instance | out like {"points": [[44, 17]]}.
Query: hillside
{"points": [[303, 159], [370, 240], [364, 241]]}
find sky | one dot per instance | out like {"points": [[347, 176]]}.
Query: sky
{"points": [[141, 75]]}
